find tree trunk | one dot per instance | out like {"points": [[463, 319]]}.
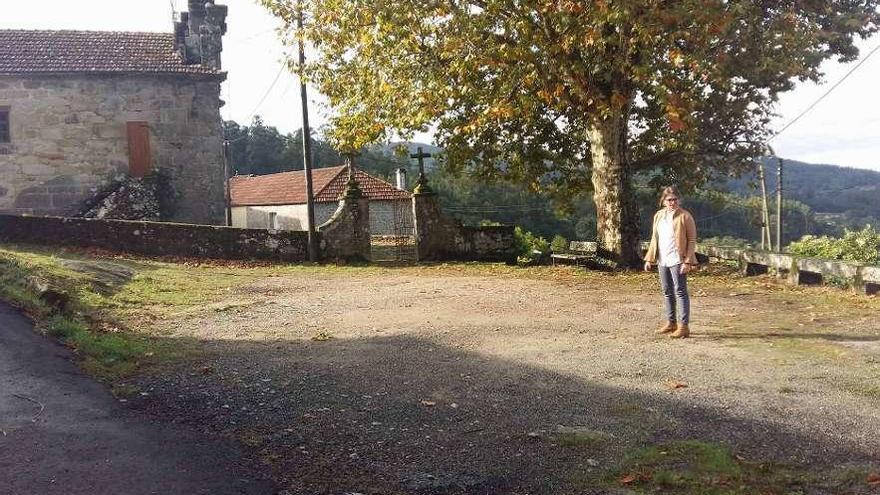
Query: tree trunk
{"points": [[617, 216]]}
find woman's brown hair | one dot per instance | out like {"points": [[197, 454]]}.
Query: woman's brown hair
{"points": [[669, 191]]}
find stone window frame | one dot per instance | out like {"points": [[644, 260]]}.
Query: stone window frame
{"points": [[273, 220], [5, 125]]}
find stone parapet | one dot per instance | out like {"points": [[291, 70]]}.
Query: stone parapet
{"points": [[156, 238], [346, 236], [799, 270], [440, 238]]}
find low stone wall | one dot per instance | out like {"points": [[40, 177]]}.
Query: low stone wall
{"points": [[156, 238], [440, 238], [799, 270]]}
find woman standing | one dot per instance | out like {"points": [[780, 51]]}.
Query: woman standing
{"points": [[672, 249]]}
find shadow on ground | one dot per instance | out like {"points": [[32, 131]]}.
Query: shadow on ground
{"points": [[408, 415]]}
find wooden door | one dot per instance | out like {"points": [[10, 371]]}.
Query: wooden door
{"points": [[139, 159]]}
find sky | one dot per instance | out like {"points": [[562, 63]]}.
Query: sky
{"points": [[843, 129]]}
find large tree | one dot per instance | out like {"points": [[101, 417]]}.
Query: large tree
{"points": [[567, 95]]}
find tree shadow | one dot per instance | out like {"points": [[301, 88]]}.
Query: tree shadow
{"points": [[832, 337], [401, 414]]}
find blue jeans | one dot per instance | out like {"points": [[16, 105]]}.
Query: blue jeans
{"points": [[675, 293]]}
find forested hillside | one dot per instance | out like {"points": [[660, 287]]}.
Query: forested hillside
{"points": [[847, 197]]}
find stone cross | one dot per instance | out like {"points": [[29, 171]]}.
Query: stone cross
{"points": [[352, 189], [422, 182]]}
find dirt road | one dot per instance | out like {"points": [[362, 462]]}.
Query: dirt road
{"points": [[444, 380]]}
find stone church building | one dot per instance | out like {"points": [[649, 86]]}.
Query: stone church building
{"points": [[83, 110]]}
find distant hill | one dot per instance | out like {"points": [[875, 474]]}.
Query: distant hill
{"points": [[836, 193]]}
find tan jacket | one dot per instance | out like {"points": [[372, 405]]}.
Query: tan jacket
{"points": [[685, 232]]}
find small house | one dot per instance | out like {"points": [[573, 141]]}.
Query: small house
{"points": [[278, 201]]}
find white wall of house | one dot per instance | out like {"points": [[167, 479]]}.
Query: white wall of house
{"points": [[386, 217], [287, 217]]}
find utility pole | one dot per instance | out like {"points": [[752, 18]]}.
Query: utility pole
{"points": [[228, 191], [765, 212], [779, 206], [307, 141]]}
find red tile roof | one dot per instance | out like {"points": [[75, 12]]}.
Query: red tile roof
{"points": [[52, 52], [289, 188]]}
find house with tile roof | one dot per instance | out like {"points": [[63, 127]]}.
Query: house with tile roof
{"points": [[278, 201], [82, 110]]}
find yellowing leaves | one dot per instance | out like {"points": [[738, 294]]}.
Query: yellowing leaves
{"points": [[676, 58], [500, 111]]}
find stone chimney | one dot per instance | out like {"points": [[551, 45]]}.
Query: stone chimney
{"points": [[181, 27], [196, 15], [401, 179], [202, 31]]}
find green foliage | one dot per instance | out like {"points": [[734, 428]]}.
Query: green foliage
{"points": [[567, 96], [862, 246], [559, 244], [530, 247], [473, 200], [261, 149]]}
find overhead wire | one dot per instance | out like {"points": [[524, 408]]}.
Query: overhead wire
{"points": [[262, 100], [824, 95]]}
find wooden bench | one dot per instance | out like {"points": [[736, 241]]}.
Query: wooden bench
{"points": [[579, 253]]}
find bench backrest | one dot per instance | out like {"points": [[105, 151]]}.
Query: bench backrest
{"points": [[583, 247]]}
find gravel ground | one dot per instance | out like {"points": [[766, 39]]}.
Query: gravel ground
{"points": [[449, 381]]}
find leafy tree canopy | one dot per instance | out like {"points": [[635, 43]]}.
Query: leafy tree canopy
{"points": [[566, 95]]}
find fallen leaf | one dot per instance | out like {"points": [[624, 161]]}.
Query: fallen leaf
{"points": [[629, 478], [874, 480], [676, 384]]}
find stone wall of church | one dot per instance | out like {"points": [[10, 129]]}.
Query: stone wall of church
{"points": [[68, 138]]}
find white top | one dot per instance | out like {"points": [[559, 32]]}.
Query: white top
{"points": [[669, 255]]}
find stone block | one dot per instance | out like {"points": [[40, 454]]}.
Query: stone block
{"points": [[38, 169], [870, 274], [109, 131], [828, 267], [32, 200], [65, 201]]}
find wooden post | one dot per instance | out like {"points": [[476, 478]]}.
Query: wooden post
{"points": [[765, 212], [779, 207], [228, 189], [307, 143]]}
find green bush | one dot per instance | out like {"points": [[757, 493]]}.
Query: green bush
{"points": [[559, 244], [861, 246], [529, 246]]}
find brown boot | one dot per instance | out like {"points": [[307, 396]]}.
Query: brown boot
{"points": [[668, 327], [682, 332]]}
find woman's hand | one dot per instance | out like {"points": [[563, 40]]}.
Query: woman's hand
{"points": [[685, 269], [647, 266]]}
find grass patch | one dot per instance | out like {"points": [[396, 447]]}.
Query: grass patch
{"points": [[579, 438], [106, 355], [696, 467]]}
